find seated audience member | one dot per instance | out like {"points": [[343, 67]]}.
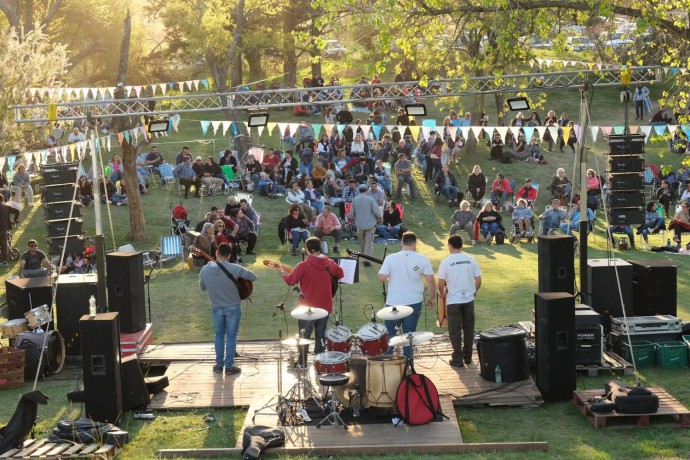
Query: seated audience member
{"points": [[85, 191], [228, 237], [210, 217], [213, 174], [489, 222], [390, 227], [246, 231], [612, 230], [296, 196], [276, 177], [266, 186], [313, 197], [560, 186], [653, 223], [249, 211], [377, 193], [5, 189], [527, 192], [681, 222], [500, 190], [331, 191], [327, 224], [403, 172], [296, 224], [318, 174], [664, 195], [185, 173], [552, 217], [206, 241], [21, 183], [205, 176], [572, 138], [593, 183], [685, 196], [361, 171], [496, 145], [522, 217], [476, 185], [383, 178], [463, 219], [350, 192], [446, 184], [229, 159], [33, 262], [270, 160], [575, 217], [520, 150], [154, 160], [184, 153]]}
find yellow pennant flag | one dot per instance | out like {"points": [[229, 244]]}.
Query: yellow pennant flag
{"points": [[52, 112], [566, 133]]}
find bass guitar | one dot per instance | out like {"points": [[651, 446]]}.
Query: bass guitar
{"points": [[288, 269], [244, 287]]}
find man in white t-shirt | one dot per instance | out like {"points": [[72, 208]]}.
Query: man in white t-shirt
{"points": [[404, 272], [459, 279]]}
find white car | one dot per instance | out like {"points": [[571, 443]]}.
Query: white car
{"points": [[333, 48], [617, 40], [580, 43]]}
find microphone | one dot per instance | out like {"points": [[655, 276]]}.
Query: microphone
{"points": [[297, 290], [337, 320], [373, 317]]}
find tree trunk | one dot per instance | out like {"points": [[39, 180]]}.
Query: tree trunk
{"points": [[256, 70], [28, 16], [289, 56], [236, 71], [124, 50]]}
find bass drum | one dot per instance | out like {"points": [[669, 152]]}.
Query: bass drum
{"points": [[53, 352], [354, 392], [384, 375]]}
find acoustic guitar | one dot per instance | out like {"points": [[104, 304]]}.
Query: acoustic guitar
{"points": [[244, 287], [276, 265]]}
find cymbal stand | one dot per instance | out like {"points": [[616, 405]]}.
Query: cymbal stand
{"points": [[303, 390], [384, 294], [278, 404]]}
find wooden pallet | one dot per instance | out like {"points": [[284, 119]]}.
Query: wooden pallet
{"points": [[611, 363], [671, 413], [42, 448]]}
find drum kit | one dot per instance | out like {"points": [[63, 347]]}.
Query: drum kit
{"points": [[354, 367], [30, 329]]}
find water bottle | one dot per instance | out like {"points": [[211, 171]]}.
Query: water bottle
{"points": [[92, 306], [497, 373]]}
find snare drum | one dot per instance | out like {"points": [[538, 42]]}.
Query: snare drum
{"points": [[13, 328], [330, 362], [338, 339], [374, 339], [38, 316], [384, 375]]}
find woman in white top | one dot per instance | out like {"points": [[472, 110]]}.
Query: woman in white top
{"points": [[357, 146], [296, 196]]}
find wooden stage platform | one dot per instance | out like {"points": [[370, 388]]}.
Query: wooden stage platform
{"points": [[193, 384]]}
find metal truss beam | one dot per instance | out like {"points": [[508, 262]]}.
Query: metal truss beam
{"points": [[332, 95]]}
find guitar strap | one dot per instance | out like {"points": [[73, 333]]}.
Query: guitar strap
{"points": [[230, 275]]}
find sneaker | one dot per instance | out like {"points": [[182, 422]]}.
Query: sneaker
{"points": [[366, 263], [676, 239], [280, 194], [456, 363], [218, 369], [232, 370], [336, 249], [468, 360], [645, 247]]}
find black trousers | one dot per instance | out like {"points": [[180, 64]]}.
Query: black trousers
{"points": [[187, 183], [461, 330], [3, 245], [250, 238]]}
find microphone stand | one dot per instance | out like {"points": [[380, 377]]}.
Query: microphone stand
{"points": [[147, 281], [384, 294]]}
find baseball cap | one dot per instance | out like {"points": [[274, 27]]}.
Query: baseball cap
{"points": [[199, 158]]}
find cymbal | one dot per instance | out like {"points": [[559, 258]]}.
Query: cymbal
{"points": [[308, 313], [417, 338], [297, 342], [394, 312]]}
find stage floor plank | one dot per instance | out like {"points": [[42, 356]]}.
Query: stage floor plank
{"points": [[194, 385]]}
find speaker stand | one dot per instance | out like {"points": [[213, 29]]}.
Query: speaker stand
{"points": [[147, 281]]}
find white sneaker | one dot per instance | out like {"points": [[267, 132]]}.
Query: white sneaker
{"points": [[645, 247], [280, 194]]}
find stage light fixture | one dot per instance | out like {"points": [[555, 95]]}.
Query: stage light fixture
{"points": [[158, 126], [518, 103], [257, 120], [415, 110]]}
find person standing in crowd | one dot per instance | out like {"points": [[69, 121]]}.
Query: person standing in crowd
{"points": [[226, 306], [314, 278], [366, 214], [641, 93], [404, 272], [459, 280]]}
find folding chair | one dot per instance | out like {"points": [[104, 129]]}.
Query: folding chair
{"points": [[151, 173], [148, 261], [168, 178], [246, 196], [171, 248]]}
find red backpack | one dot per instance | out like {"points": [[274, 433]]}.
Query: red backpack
{"points": [[417, 400]]}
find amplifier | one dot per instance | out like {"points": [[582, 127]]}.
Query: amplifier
{"points": [[62, 227], [589, 345], [626, 144], [586, 317], [647, 324], [54, 193], [74, 244], [60, 173], [632, 181], [627, 216], [625, 164], [626, 200], [61, 210]]}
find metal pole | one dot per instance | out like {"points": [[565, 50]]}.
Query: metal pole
{"points": [[100, 247], [584, 221]]}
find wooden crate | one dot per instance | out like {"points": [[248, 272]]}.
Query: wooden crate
{"points": [[11, 368]]}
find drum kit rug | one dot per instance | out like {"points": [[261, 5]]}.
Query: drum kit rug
{"points": [[355, 370], [29, 333]]}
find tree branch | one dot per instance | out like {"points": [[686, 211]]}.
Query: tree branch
{"points": [[86, 52], [10, 9], [54, 7]]}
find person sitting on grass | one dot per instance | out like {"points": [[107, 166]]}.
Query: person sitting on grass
{"points": [[489, 222]]}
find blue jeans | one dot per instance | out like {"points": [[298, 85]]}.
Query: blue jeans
{"points": [[319, 327], [226, 323], [317, 204], [489, 228], [226, 182], [499, 198], [645, 229], [409, 324], [388, 234], [449, 192], [297, 237], [567, 228]]}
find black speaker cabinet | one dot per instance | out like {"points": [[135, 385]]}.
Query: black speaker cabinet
{"points": [[71, 303], [555, 345], [61, 210], [60, 173], [626, 199], [655, 289], [75, 243], [622, 144], [23, 294], [627, 216], [126, 289], [625, 164], [100, 353], [55, 193], [556, 263], [134, 391], [625, 182], [62, 227], [602, 288]]}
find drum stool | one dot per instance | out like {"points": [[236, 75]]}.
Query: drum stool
{"points": [[331, 381]]}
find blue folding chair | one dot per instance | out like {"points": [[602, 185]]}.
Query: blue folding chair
{"points": [[171, 248]]}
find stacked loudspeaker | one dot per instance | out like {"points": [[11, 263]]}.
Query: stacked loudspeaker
{"points": [[625, 165], [59, 204]]}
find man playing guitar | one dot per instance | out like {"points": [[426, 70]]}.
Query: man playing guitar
{"points": [[314, 277]]}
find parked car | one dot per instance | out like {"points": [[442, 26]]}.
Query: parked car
{"points": [[580, 43], [333, 48], [535, 41], [616, 40]]}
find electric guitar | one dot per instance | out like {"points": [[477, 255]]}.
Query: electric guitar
{"points": [[363, 256], [244, 287], [276, 265]]}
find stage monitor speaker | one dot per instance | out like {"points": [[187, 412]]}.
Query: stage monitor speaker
{"points": [[55, 193], [626, 164], [626, 144], [655, 287], [126, 289], [602, 288], [71, 303], [100, 354], [556, 263], [626, 199], [23, 294], [555, 345], [60, 173], [134, 391], [619, 182]]}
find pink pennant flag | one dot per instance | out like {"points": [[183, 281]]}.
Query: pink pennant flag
{"points": [[144, 132], [120, 138], [606, 130], [365, 130], [452, 132]]}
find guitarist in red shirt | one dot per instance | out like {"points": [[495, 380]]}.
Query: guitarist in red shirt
{"points": [[314, 277]]}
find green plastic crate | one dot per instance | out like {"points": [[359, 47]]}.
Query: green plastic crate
{"points": [[644, 353], [686, 339], [671, 355]]}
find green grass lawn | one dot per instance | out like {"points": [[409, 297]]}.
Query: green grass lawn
{"points": [[181, 312]]}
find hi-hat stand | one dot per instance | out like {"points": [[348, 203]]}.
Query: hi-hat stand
{"points": [[303, 390]]}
